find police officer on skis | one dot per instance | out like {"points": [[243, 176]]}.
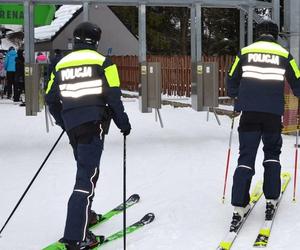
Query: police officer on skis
{"points": [[83, 86], [256, 82]]}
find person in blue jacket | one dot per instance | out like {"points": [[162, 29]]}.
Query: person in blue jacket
{"points": [[82, 93], [10, 67], [256, 82]]}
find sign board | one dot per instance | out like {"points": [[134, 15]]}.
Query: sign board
{"points": [[144, 70], [14, 14]]}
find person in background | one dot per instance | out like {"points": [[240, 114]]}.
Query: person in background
{"points": [[10, 67], [41, 58], [83, 93], [2, 76], [19, 82], [256, 81], [55, 59]]}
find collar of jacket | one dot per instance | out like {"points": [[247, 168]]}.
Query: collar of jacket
{"points": [[80, 46], [266, 39]]}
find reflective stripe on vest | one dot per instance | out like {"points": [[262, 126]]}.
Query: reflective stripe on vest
{"points": [[259, 76], [76, 90], [80, 58], [50, 83], [263, 73], [267, 48], [112, 76], [295, 68], [234, 65]]}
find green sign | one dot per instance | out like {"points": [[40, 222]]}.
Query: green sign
{"points": [[14, 14]]}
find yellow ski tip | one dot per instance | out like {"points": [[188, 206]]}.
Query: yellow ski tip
{"points": [[285, 178], [265, 232], [225, 245], [286, 175]]}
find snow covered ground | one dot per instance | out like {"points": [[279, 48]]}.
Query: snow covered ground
{"points": [[178, 172]]}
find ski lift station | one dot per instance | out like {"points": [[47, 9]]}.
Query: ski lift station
{"points": [[203, 77]]}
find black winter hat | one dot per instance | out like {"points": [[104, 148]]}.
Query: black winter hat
{"points": [[267, 27]]}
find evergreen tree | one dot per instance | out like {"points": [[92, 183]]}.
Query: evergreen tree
{"points": [[168, 29], [220, 31]]}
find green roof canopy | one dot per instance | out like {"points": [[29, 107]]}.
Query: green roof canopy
{"points": [[13, 14]]}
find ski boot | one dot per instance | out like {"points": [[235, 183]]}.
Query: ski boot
{"points": [[94, 218], [239, 213], [91, 241], [270, 209]]}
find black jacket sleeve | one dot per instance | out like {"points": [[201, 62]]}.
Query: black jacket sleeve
{"points": [[113, 96], [118, 113]]}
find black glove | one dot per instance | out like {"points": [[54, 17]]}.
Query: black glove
{"points": [[126, 131]]}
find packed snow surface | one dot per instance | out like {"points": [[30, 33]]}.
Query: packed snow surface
{"points": [[178, 171]]}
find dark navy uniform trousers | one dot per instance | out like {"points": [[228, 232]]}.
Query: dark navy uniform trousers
{"points": [[87, 143], [253, 128]]}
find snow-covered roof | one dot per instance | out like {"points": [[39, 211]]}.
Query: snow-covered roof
{"points": [[62, 16], [6, 44]]}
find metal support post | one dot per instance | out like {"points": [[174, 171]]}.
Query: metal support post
{"points": [[86, 13], [215, 113], [157, 113], [292, 12], [29, 54], [198, 27], [276, 12], [143, 60], [250, 25], [242, 29], [196, 33], [196, 57], [216, 116]]}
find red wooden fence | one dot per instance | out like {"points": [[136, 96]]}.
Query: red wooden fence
{"points": [[176, 72]]}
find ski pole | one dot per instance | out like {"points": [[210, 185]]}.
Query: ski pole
{"points": [[33, 179], [228, 159], [296, 158], [124, 193]]}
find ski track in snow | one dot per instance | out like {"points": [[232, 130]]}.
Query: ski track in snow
{"points": [[178, 172]]}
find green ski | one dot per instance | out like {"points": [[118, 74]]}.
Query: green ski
{"points": [[147, 219], [133, 199]]}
